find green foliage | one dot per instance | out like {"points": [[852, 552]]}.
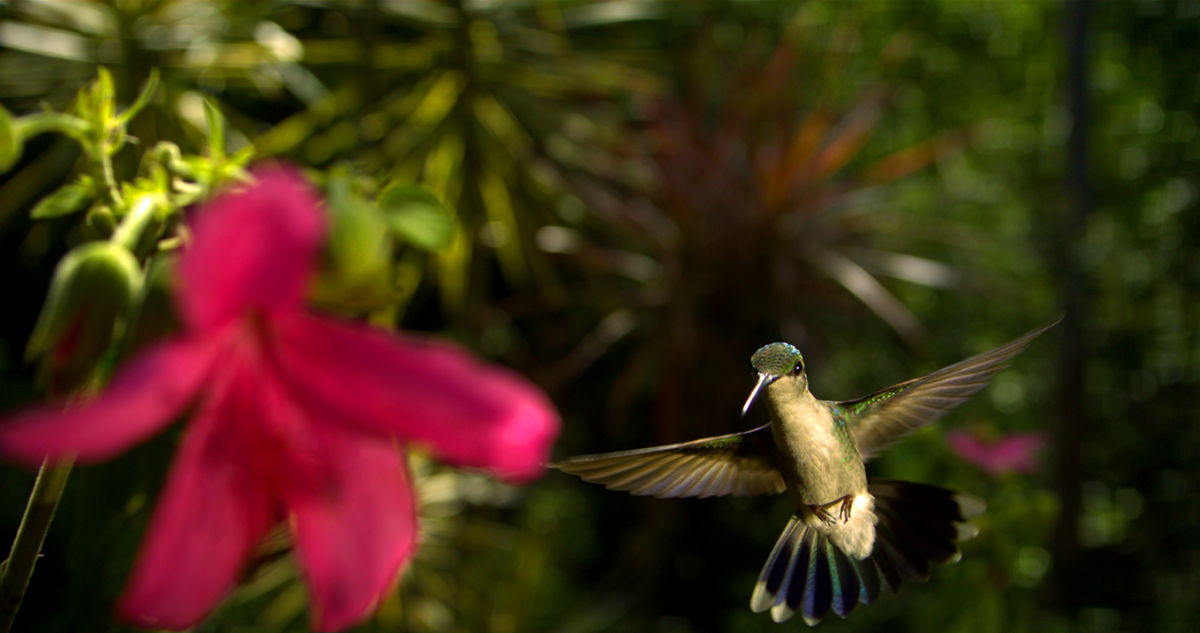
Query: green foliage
{"points": [[66, 200], [367, 269], [153, 315], [624, 200], [358, 276], [416, 215], [457, 106], [10, 143]]}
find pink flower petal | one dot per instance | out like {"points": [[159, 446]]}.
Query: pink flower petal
{"points": [[146, 394], [1012, 453], [355, 531], [967, 446], [208, 519], [467, 413], [254, 250], [1016, 452]]}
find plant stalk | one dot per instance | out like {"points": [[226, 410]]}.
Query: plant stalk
{"points": [[27, 546], [129, 232]]}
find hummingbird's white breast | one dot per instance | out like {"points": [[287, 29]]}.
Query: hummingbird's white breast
{"points": [[817, 467]]}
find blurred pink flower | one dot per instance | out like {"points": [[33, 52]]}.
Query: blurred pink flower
{"points": [[294, 417], [1015, 452]]}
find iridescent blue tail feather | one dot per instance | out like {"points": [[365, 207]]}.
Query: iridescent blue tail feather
{"points": [[919, 526]]}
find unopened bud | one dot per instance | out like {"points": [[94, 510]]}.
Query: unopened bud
{"points": [[88, 299], [101, 219]]}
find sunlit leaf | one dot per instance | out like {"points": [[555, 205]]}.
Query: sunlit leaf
{"points": [[357, 272], [65, 200], [918, 270], [143, 98], [99, 99], [10, 141], [501, 231], [417, 216], [216, 131], [863, 285], [500, 121]]}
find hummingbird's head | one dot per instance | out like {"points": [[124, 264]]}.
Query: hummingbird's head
{"points": [[778, 360], [772, 362]]}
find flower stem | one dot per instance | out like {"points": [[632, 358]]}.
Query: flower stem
{"points": [[39, 122], [27, 546], [129, 232], [110, 180]]}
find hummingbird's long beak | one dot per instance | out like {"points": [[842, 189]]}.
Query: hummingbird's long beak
{"points": [[763, 381]]}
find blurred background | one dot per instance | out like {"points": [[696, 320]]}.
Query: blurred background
{"points": [[646, 192]]}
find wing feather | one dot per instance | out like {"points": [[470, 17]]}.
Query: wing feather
{"points": [[737, 464], [878, 420]]}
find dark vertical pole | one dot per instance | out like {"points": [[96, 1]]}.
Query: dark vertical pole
{"points": [[1072, 399]]}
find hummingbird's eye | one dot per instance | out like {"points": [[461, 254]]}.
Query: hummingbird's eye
{"points": [[799, 368]]}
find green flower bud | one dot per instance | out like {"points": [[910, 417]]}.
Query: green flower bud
{"points": [[101, 220], [88, 298]]}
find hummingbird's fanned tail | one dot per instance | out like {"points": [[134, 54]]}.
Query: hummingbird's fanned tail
{"points": [[919, 526], [807, 573]]}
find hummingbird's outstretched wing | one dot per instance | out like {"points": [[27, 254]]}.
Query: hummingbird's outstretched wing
{"points": [[885, 416], [738, 464]]}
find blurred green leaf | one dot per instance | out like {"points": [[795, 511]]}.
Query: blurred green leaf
{"points": [[217, 167], [98, 101], [357, 275], [417, 216], [10, 141], [65, 200], [143, 98], [240, 159], [216, 131]]}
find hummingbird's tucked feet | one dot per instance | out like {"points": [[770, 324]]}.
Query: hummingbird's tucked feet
{"points": [[845, 504]]}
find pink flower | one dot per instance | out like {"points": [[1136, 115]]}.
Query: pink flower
{"points": [[293, 417], [1015, 452]]}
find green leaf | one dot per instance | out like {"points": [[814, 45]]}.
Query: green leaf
{"points": [[10, 141], [216, 131], [99, 97], [416, 215], [65, 200], [241, 158], [356, 276], [153, 316], [143, 98]]}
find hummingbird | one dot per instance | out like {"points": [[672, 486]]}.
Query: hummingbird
{"points": [[852, 537]]}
